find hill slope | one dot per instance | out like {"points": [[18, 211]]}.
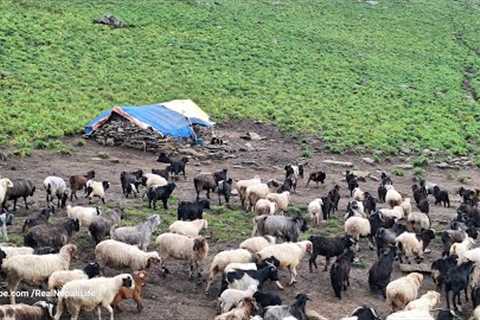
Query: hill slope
{"points": [[363, 76]]}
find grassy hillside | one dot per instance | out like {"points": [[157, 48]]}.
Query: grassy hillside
{"points": [[364, 77]]}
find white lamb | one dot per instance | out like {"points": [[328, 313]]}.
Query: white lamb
{"points": [[224, 258], [403, 290], [85, 215], [177, 246], [35, 269], [188, 228], [407, 206], [476, 314], [97, 189], [256, 244], [154, 180], [5, 183], [426, 302], [230, 298], [265, 206], [290, 254], [281, 199], [16, 251], [471, 255], [91, 294], [411, 245], [254, 193], [242, 185], [58, 279], [392, 198], [419, 221], [459, 248], [315, 210], [358, 227], [117, 254]]}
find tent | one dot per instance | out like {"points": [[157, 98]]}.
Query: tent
{"points": [[173, 119]]}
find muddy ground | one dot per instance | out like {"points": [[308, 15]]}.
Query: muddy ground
{"points": [[176, 297]]}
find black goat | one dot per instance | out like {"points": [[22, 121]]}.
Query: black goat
{"points": [[328, 247], [318, 176], [334, 196], [265, 299], [38, 218], [418, 193], [441, 267], [381, 271], [160, 193], [364, 313], [162, 172], [178, 167], [441, 197], [192, 210], [457, 281], [340, 272], [352, 181], [424, 206], [130, 182], [224, 189], [369, 203]]}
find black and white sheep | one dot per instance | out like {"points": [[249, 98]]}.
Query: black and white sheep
{"points": [[56, 186], [208, 182], [130, 182], [40, 310], [96, 189], [293, 311]]}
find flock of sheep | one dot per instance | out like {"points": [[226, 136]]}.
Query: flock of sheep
{"points": [[397, 231]]}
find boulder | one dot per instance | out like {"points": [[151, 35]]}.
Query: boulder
{"points": [[346, 164]]}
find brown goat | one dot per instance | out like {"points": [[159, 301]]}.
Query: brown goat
{"points": [[79, 182], [136, 293]]}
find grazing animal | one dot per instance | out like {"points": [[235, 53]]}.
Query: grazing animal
{"points": [[40, 310], [369, 203], [78, 183], [101, 227], [363, 313], [380, 273], [135, 293], [6, 219], [392, 197], [295, 310], [413, 245], [315, 209], [117, 254], [441, 267], [426, 302], [441, 197], [224, 189], [188, 228], [51, 235], [318, 176], [352, 181], [334, 196], [56, 186], [328, 247], [288, 228], [178, 167], [38, 218], [5, 184], [130, 182], [244, 311], [58, 279], [401, 291], [163, 193], [192, 210], [22, 188], [96, 189], [208, 182], [340, 273], [457, 281], [256, 244], [85, 215], [139, 235]]}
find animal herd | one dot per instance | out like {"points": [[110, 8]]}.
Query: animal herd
{"points": [[397, 228]]}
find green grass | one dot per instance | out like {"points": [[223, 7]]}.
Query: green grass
{"points": [[362, 77]]}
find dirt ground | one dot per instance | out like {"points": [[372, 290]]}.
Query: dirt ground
{"points": [[176, 297]]}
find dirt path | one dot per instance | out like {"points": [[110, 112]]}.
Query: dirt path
{"points": [[175, 297]]}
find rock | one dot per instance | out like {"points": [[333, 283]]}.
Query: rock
{"points": [[444, 165], [405, 166], [374, 178], [191, 152], [249, 146], [371, 2], [238, 167], [361, 174], [252, 136], [405, 150], [249, 163], [3, 156], [422, 268], [338, 163], [368, 160], [103, 155], [206, 162], [110, 142], [115, 160]]}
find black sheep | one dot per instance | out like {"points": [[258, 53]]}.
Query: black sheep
{"points": [[441, 267], [192, 210], [54, 236], [469, 196], [208, 182], [328, 247], [318, 176], [457, 281], [22, 188], [163, 158], [352, 181], [92, 270], [441, 197], [340, 272], [381, 271], [178, 166], [162, 193], [424, 206], [265, 299], [327, 208], [382, 192], [377, 221], [38, 218], [418, 193]]}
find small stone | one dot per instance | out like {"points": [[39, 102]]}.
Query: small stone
{"points": [[361, 174], [249, 146], [374, 178], [338, 163], [368, 160], [110, 142], [115, 160], [444, 165], [103, 155], [238, 167], [405, 166]]}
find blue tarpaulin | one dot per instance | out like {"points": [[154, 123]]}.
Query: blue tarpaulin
{"points": [[156, 116]]}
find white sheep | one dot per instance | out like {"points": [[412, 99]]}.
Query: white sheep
{"points": [[188, 228], [230, 298], [396, 213], [471, 255], [411, 245], [91, 294], [419, 221], [16, 251], [224, 258], [315, 210], [281, 199], [426, 302], [476, 314], [401, 291], [407, 206], [154, 180], [290, 254], [40, 310], [459, 248], [97, 189], [358, 194], [256, 244], [117, 254], [255, 192], [392, 198], [5, 183], [56, 186], [358, 227], [242, 185], [410, 315], [265, 206], [85, 215], [35, 269], [177, 246]]}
